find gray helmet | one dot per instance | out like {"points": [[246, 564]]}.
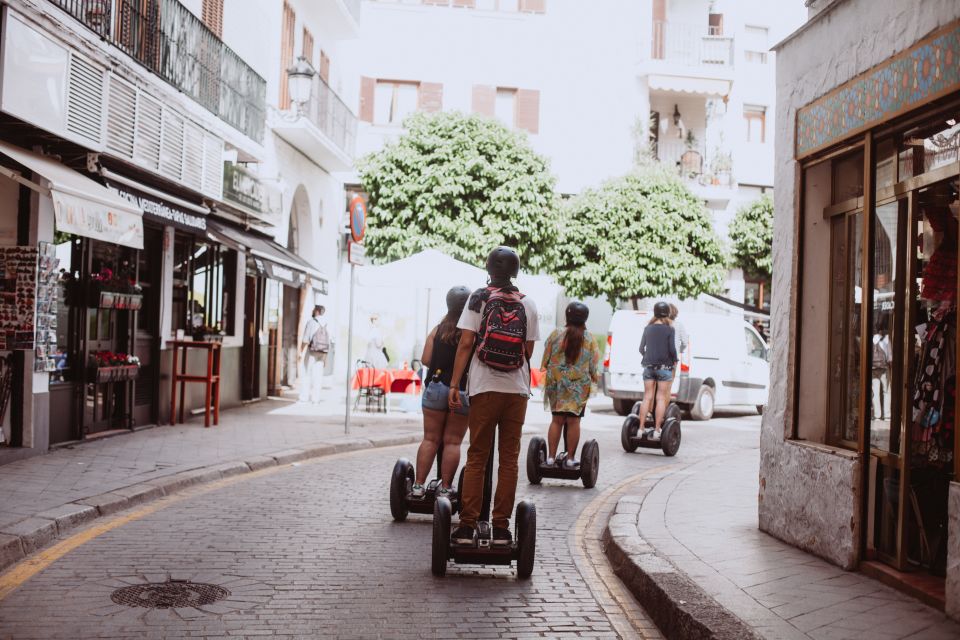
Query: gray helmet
{"points": [[503, 262], [577, 313], [661, 310], [457, 300]]}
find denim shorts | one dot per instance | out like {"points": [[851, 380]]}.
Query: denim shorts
{"points": [[660, 373], [436, 397]]}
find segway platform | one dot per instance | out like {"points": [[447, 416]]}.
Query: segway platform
{"points": [[586, 471], [632, 436], [403, 502]]}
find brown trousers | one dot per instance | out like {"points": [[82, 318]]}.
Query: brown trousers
{"points": [[487, 411]]}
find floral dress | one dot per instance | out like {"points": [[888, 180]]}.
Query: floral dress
{"points": [[567, 387]]}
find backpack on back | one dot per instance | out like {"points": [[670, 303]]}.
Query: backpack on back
{"points": [[320, 340], [879, 356], [503, 330]]}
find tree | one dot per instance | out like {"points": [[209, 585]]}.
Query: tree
{"points": [[642, 235], [461, 184], [751, 234]]}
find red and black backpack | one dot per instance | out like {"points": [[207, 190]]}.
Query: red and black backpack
{"points": [[503, 330]]}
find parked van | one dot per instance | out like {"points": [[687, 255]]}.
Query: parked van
{"points": [[725, 363]]}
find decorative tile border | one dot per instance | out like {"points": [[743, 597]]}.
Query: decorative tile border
{"points": [[926, 71]]}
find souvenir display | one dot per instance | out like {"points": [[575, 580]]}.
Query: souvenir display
{"points": [[48, 279], [18, 297]]}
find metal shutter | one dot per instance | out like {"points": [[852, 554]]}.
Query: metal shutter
{"points": [[85, 99], [171, 146], [121, 118], [146, 146], [213, 167], [193, 157]]}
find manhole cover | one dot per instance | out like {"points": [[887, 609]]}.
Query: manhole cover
{"points": [[169, 595]]}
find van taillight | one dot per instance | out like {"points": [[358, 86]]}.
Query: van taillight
{"points": [[606, 356]]}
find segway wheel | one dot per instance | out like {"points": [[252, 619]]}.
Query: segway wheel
{"points": [[629, 431], [442, 511], [402, 472], [670, 439], [536, 454], [526, 538], [589, 464]]}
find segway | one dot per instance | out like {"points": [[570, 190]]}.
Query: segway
{"points": [[402, 501], [586, 471], [631, 436], [522, 548]]}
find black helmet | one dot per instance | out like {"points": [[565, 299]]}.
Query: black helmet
{"points": [[503, 262], [661, 310], [457, 300], [577, 313]]}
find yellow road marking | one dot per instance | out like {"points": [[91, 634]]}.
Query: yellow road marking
{"points": [[599, 577], [24, 570]]}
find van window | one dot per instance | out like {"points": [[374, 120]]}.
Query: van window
{"points": [[754, 346]]}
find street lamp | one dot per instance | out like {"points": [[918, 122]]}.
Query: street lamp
{"points": [[300, 82]]}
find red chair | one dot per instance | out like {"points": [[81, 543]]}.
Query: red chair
{"points": [[368, 389]]}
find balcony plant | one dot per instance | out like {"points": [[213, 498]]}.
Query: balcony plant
{"points": [[110, 366], [721, 166], [119, 289]]}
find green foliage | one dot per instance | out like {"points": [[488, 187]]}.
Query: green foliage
{"points": [[639, 236], [751, 233], [461, 184]]}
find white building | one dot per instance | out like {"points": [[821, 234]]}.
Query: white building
{"points": [[585, 80]]}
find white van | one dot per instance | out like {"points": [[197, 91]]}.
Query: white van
{"points": [[725, 363]]}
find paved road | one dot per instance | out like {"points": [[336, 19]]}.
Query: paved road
{"points": [[309, 550]]}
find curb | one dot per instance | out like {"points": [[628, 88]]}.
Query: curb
{"points": [[21, 539], [680, 608]]}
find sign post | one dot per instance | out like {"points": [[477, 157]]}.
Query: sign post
{"points": [[355, 256]]}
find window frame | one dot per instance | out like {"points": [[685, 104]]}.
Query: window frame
{"points": [[224, 270], [396, 84], [756, 112]]}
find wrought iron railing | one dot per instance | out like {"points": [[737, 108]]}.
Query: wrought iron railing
{"points": [[690, 44], [332, 116], [168, 39]]}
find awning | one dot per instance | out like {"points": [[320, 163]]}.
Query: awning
{"points": [[709, 87], [80, 205], [280, 263]]}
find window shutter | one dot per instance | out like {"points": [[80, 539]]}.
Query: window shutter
{"points": [[430, 97], [324, 67], [484, 98], [367, 86], [528, 110], [715, 20], [286, 54], [307, 45], [533, 6], [212, 15], [466, 4]]}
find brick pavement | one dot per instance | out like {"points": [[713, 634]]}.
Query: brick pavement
{"points": [[704, 520]]}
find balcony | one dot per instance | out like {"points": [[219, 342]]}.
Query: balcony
{"points": [[689, 59], [324, 129], [708, 176], [166, 38]]}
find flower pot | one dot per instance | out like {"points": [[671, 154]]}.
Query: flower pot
{"points": [[106, 299]]}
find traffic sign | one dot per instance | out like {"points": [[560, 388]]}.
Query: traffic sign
{"points": [[356, 253], [358, 218]]}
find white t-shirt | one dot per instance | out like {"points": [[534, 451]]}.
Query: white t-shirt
{"points": [[311, 328], [482, 378]]}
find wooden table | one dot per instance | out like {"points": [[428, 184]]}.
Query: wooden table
{"points": [[181, 377]]}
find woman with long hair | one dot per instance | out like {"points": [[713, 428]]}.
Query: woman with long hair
{"points": [[442, 426], [659, 349], [570, 357]]}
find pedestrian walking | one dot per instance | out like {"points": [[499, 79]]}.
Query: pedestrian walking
{"points": [[503, 325], [376, 353], [313, 355], [682, 339], [659, 349], [442, 426], [570, 358]]}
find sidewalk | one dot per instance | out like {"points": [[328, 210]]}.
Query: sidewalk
{"points": [[692, 536], [44, 495]]}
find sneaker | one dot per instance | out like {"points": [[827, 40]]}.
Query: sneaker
{"points": [[418, 490], [655, 435], [445, 492], [550, 462], [571, 463], [502, 537], [463, 536]]}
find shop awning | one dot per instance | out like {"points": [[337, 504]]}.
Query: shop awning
{"points": [[80, 205], [708, 87], [280, 263]]}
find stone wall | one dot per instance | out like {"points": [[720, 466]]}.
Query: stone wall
{"points": [[810, 493]]}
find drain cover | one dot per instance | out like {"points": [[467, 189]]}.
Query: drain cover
{"points": [[169, 595]]}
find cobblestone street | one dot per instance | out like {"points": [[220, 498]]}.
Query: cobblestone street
{"points": [[310, 550]]}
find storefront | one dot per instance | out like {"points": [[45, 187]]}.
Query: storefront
{"points": [[281, 289], [69, 302], [858, 455]]}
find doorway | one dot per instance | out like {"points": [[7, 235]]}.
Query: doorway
{"points": [[254, 291]]}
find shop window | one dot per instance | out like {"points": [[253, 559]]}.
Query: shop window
{"points": [[204, 283], [930, 146]]}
